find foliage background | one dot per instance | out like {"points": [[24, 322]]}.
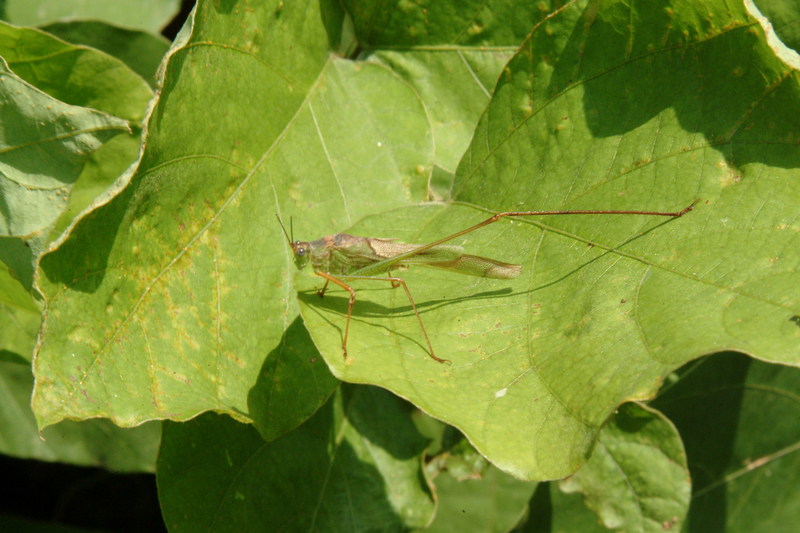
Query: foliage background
{"points": [[174, 295]]}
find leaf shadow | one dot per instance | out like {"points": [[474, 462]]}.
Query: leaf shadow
{"points": [[371, 309], [83, 267], [710, 389], [381, 417], [291, 386], [644, 73]]}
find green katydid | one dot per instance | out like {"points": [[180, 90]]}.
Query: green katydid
{"points": [[342, 257]]}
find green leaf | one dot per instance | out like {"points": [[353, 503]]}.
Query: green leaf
{"points": [[89, 443], [140, 51], [75, 74], [70, 76], [151, 15], [554, 511], [446, 45], [637, 479], [43, 147], [177, 284], [495, 501], [37, 190], [738, 419], [457, 457], [70, 73], [354, 465], [14, 298], [179, 295], [606, 306]]}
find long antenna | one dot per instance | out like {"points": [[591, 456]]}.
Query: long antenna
{"points": [[284, 229]]}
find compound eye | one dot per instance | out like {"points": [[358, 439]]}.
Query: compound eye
{"points": [[300, 250]]}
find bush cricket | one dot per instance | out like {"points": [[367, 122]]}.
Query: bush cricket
{"points": [[341, 257]]}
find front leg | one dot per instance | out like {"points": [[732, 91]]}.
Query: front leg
{"points": [[348, 288], [395, 282]]}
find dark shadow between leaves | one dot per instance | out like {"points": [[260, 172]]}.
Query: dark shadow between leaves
{"points": [[307, 476], [333, 17], [540, 510], [705, 405], [77, 264], [7, 356], [384, 420], [17, 254], [293, 383]]}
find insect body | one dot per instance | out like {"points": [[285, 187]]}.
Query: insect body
{"points": [[342, 257], [344, 254]]}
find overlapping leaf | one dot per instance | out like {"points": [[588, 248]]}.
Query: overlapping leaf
{"points": [[738, 419], [68, 74], [606, 306], [637, 479], [353, 465], [188, 303], [168, 301], [152, 15]]}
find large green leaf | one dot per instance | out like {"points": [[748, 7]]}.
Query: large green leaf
{"points": [[43, 147], [69, 72], [69, 75], [90, 442], [606, 306], [171, 299], [355, 465], [75, 74], [443, 46], [179, 295]]}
